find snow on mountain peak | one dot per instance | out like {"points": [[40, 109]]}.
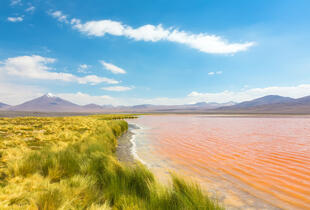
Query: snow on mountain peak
{"points": [[50, 95]]}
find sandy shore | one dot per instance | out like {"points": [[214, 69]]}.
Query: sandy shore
{"points": [[124, 148]]}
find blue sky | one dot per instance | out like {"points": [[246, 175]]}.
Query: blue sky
{"points": [[159, 52]]}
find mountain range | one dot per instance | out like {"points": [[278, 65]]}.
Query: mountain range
{"points": [[4, 106], [266, 104], [271, 104]]}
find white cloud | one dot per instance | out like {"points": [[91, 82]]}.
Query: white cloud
{"points": [[194, 97], [8, 94], [16, 2], [15, 19], [117, 88], [14, 94], [114, 69], [100, 28], [36, 67], [207, 43], [30, 9], [211, 73], [93, 79], [203, 42], [147, 33], [75, 21], [83, 98], [83, 68], [59, 16], [250, 94]]}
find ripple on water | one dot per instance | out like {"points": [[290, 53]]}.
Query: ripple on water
{"points": [[251, 162]]}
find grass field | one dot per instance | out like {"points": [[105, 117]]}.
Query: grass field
{"points": [[69, 163]]}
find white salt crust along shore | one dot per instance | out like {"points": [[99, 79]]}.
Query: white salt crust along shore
{"points": [[136, 130]]}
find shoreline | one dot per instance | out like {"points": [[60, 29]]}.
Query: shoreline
{"points": [[126, 147]]}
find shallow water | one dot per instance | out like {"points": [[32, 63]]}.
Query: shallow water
{"points": [[245, 162]]}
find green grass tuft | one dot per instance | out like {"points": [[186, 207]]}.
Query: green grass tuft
{"points": [[52, 199]]}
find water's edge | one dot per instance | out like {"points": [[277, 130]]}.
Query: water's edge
{"points": [[126, 149]]}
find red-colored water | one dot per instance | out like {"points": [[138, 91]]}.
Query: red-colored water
{"points": [[263, 157]]}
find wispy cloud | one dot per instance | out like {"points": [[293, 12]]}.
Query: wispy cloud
{"points": [[194, 97], [112, 68], [14, 94], [15, 19], [59, 16], [30, 9], [117, 88], [9, 95], [84, 98], [36, 67], [83, 68], [249, 94], [203, 42], [15, 2], [211, 73], [220, 97]]}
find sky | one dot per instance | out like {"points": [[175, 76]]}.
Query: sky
{"points": [[153, 52]]}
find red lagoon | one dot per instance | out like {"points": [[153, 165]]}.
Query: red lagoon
{"points": [[245, 162]]}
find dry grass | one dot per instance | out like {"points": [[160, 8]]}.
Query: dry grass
{"points": [[69, 163]]}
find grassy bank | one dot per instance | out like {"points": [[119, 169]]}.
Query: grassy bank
{"points": [[69, 163]]}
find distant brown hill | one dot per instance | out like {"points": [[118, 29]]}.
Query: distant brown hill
{"points": [[4, 106], [266, 104], [198, 107], [48, 103], [271, 104]]}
